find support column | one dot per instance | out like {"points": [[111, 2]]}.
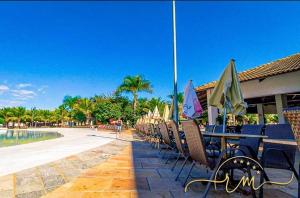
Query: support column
{"points": [[260, 112], [281, 102], [212, 111]]}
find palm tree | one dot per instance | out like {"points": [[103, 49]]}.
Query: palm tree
{"points": [[18, 114], [62, 113], [180, 98], [86, 106], [68, 105], [6, 113], [30, 115], [134, 85], [45, 116]]}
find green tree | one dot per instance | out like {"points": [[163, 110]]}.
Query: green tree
{"points": [[86, 106], [18, 113], [134, 85], [6, 113], [63, 114], [107, 110]]}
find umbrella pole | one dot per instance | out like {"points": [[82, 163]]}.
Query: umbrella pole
{"points": [[224, 116]]}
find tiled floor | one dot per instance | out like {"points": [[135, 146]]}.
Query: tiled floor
{"points": [[118, 169]]}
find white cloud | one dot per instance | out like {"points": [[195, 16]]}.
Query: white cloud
{"points": [[23, 85], [43, 89], [23, 94], [3, 88], [10, 103]]}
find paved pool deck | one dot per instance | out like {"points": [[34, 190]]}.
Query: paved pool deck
{"points": [[74, 140], [125, 167]]}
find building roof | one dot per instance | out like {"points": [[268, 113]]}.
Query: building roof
{"points": [[280, 66]]}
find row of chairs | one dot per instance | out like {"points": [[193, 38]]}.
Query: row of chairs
{"points": [[191, 145]]}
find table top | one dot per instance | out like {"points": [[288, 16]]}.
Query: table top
{"points": [[281, 141], [234, 135]]}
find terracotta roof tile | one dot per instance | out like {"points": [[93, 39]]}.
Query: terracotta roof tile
{"points": [[280, 66]]}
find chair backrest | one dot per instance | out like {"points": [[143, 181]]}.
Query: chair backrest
{"points": [[252, 143], [209, 128], [275, 159], [195, 142], [279, 131], [151, 129], [146, 129], [176, 135], [218, 129], [164, 133]]}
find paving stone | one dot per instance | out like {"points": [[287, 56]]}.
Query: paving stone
{"points": [[155, 165], [106, 194], [140, 172], [28, 184], [160, 184], [166, 173], [6, 183], [149, 194], [27, 173], [55, 180], [33, 194], [6, 193], [47, 171], [129, 184]]}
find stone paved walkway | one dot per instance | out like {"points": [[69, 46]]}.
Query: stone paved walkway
{"points": [[121, 168]]}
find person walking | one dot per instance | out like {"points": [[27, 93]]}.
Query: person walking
{"points": [[119, 124]]}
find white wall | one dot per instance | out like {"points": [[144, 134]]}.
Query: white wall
{"points": [[280, 84]]}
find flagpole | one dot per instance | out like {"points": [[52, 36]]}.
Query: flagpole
{"points": [[175, 100]]}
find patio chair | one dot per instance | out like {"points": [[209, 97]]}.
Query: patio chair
{"points": [[250, 146], [279, 156], [152, 134], [199, 155], [197, 150], [215, 143], [166, 140], [181, 147]]}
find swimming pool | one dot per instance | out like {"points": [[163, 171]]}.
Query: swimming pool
{"points": [[16, 137]]}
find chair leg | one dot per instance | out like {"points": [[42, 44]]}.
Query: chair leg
{"points": [[184, 163], [177, 159], [299, 183], [295, 172], [211, 178], [189, 173], [261, 190]]}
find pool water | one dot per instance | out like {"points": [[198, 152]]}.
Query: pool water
{"points": [[16, 137]]}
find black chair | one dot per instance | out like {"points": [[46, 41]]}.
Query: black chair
{"points": [[215, 143], [278, 156], [250, 146]]}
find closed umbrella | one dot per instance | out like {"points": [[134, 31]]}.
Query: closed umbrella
{"points": [[191, 106], [156, 114], [227, 95], [150, 114], [166, 113]]}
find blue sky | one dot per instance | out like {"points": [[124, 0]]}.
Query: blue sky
{"points": [[51, 49]]}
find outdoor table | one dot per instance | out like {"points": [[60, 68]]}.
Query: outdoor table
{"points": [[281, 141], [225, 136]]}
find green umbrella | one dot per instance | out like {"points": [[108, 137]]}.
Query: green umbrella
{"points": [[227, 93]]}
